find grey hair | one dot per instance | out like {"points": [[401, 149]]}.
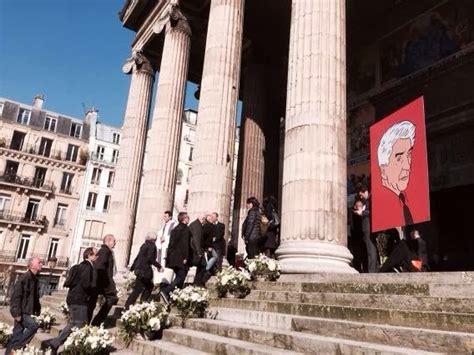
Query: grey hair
{"points": [[151, 236], [401, 130], [29, 261]]}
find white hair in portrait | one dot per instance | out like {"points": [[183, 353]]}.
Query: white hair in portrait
{"points": [[401, 130]]}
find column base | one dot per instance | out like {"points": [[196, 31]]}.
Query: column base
{"points": [[308, 257]]}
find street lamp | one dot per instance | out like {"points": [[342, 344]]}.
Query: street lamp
{"points": [[52, 261]]}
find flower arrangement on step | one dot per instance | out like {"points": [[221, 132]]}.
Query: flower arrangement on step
{"points": [[5, 334], [145, 319], [88, 340], [191, 301], [31, 350], [235, 282], [45, 320], [130, 279], [64, 308], [263, 267]]}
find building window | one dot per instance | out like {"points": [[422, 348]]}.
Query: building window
{"points": [[96, 173], [116, 138], [76, 130], [45, 147], [53, 248], [23, 247], [18, 139], [40, 176], [100, 152], [2, 105], [93, 230], [66, 183], [60, 217], [106, 203], [32, 208], [71, 154], [110, 180], [186, 197], [24, 116], [179, 177], [115, 155], [4, 203], [91, 201], [50, 123], [11, 169], [188, 179], [190, 154]]}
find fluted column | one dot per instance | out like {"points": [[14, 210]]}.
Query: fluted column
{"points": [[159, 179], [211, 180], [129, 167], [314, 235], [251, 165]]}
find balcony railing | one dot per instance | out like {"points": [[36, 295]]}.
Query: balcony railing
{"points": [[9, 256], [102, 159], [66, 190], [59, 223], [21, 218], [53, 154], [26, 182], [61, 261]]}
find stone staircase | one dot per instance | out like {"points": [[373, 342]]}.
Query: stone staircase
{"points": [[323, 314]]}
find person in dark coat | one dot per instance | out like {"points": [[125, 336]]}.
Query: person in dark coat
{"points": [[272, 237], [356, 240], [368, 238], [23, 304], [197, 248], [178, 255], [146, 257], [218, 242], [251, 228], [78, 298], [106, 269]]}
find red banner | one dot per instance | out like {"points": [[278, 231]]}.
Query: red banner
{"points": [[399, 169]]}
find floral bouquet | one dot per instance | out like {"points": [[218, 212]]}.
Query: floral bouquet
{"points": [[45, 320], [64, 308], [191, 301], [143, 318], [88, 340], [5, 333], [31, 350], [382, 242], [235, 282], [263, 267], [130, 279]]}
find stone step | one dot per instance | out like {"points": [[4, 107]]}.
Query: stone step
{"points": [[462, 322], [420, 303], [160, 347], [416, 338], [216, 344], [346, 287], [293, 340]]}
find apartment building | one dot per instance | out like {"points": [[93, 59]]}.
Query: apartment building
{"points": [[43, 158]]}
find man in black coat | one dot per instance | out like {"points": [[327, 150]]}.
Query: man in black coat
{"points": [[23, 304], [197, 247], [218, 243], [106, 269], [178, 255], [78, 298], [146, 257], [251, 228]]}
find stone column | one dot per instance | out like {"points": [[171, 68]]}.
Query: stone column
{"points": [[314, 234], [211, 180], [159, 179], [251, 165], [129, 168]]}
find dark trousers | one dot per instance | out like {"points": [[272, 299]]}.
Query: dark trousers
{"points": [[253, 248], [372, 256], [78, 319], [200, 271], [23, 332], [143, 286], [401, 256], [179, 278], [111, 299]]}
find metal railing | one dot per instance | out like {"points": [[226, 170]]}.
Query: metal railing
{"points": [[15, 217], [23, 181], [102, 159]]}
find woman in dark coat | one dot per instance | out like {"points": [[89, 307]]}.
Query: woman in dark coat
{"points": [[271, 238], [251, 228]]}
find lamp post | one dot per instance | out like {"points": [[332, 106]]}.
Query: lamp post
{"points": [[52, 261]]}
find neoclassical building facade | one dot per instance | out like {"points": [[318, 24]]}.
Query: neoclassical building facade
{"points": [[312, 76]]}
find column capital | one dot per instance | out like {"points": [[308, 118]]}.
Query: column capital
{"points": [[173, 19], [138, 62]]}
